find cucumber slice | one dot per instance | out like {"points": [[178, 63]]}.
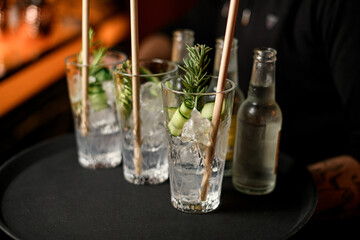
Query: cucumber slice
{"points": [[95, 88], [145, 71], [103, 74], [179, 118], [208, 109], [173, 130], [171, 111], [186, 108], [98, 101], [97, 96]]}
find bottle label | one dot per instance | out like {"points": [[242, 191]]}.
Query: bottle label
{"points": [[231, 140], [277, 153]]}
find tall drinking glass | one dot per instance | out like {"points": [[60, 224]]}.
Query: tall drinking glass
{"points": [[154, 166], [100, 148], [188, 120]]}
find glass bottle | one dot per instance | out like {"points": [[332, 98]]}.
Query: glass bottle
{"points": [[232, 74], [13, 16], [181, 38], [39, 17], [3, 17], [258, 130]]}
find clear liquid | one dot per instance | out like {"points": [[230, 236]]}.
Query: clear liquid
{"points": [[255, 166], [99, 150], [186, 170], [101, 147], [155, 160], [257, 142]]}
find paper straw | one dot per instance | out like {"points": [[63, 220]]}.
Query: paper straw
{"points": [[85, 63], [135, 85], [229, 33]]}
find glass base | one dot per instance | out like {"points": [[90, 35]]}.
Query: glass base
{"points": [[145, 178], [252, 189], [109, 160], [200, 207]]}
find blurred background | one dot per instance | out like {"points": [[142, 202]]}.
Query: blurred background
{"points": [[35, 38]]}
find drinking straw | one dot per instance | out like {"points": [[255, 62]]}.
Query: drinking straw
{"points": [[85, 63], [229, 33], [135, 84]]}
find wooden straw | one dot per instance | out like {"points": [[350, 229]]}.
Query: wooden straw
{"points": [[85, 63], [229, 33], [136, 85]]}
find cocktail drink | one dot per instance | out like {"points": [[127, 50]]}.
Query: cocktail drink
{"points": [[154, 166], [188, 121], [100, 147]]}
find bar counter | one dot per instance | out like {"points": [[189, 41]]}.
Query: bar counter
{"points": [[46, 70]]}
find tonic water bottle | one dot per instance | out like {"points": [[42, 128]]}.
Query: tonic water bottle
{"points": [[232, 74], [181, 38], [259, 123]]}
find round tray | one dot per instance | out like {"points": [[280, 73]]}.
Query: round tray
{"points": [[46, 194]]}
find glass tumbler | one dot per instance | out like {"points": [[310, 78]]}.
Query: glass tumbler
{"points": [[188, 119], [153, 167], [100, 147]]}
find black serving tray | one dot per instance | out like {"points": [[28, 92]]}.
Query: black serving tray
{"points": [[46, 194]]}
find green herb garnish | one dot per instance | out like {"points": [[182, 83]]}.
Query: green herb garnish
{"points": [[195, 80], [96, 94], [124, 86], [124, 89]]}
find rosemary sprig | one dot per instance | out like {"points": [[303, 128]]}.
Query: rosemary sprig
{"points": [[124, 88], [97, 95], [124, 85], [196, 79]]}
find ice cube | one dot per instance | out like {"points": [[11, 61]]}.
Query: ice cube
{"points": [[151, 110], [196, 129], [103, 121], [150, 97], [222, 138], [109, 88], [192, 155], [152, 119]]}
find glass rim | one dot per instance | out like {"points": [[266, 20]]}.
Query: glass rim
{"points": [[225, 91], [156, 60], [114, 52]]}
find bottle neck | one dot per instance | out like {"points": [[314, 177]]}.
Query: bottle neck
{"points": [[232, 72], [261, 94], [181, 38], [262, 82]]}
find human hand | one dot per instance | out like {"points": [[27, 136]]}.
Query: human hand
{"points": [[338, 183]]}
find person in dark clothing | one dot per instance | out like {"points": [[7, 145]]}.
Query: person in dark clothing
{"points": [[317, 81]]}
